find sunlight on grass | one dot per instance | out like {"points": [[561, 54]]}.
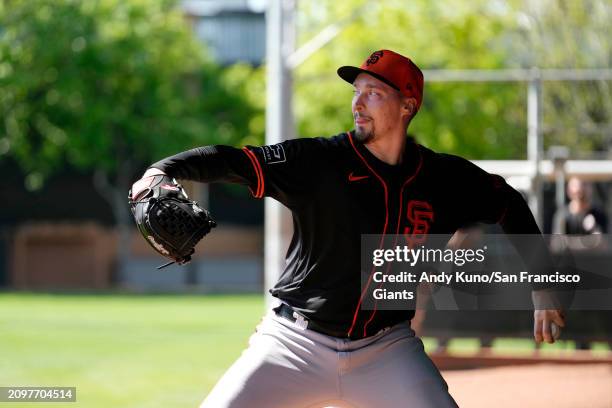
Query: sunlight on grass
{"points": [[121, 350]]}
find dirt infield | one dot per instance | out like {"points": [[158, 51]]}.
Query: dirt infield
{"points": [[542, 385]]}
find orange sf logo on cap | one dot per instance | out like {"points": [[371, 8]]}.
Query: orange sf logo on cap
{"points": [[396, 70], [374, 58]]}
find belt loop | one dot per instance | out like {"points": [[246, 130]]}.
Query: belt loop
{"points": [[300, 321]]}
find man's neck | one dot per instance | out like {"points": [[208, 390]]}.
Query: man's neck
{"points": [[389, 149]]}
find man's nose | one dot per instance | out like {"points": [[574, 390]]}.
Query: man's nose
{"points": [[358, 103]]}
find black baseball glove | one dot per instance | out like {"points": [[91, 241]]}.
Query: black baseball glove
{"points": [[168, 220]]}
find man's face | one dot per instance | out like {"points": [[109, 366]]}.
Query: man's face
{"points": [[377, 108], [578, 190]]}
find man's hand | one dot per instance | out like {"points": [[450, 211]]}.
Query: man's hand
{"points": [[548, 313], [143, 184], [543, 321]]}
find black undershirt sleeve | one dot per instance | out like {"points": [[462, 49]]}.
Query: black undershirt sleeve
{"points": [[207, 164], [287, 171]]}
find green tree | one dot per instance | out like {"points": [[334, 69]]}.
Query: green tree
{"points": [[567, 34], [108, 86], [477, 120]]}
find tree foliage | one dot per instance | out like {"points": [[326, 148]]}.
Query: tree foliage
{"points": [[477, 120], [96, 84], [108, 85], [567, 34]]}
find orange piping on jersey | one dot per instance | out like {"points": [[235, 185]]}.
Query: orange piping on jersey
{"points": [[253, 161], [261, 175], [356, 313], [260, 182], [408, 181], [399, 219]]}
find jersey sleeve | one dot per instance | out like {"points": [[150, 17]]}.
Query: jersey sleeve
{"points": [[282, 171], [208, 164], [478, 196], [287, 171]]}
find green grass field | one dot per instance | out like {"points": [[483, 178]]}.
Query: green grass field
{"points": [[121, 350], [141, 350]]}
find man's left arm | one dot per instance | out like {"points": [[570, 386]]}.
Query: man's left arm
{"points": [[517, 220], [489, 199]]}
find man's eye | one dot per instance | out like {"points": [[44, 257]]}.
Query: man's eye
{"points": [[374, 93]]}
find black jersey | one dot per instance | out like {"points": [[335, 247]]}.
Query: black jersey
{"points": [[337, 190]]}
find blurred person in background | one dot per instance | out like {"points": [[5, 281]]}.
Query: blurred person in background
{"points": [[581, 216], [579, 226]]}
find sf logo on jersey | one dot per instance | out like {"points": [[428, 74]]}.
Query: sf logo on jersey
{"points": [[420, 215]]}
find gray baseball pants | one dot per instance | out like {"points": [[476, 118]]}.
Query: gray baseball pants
{"points": [[286, 366]]}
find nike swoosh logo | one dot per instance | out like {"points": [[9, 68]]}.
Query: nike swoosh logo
{"points": [[351, 177]]}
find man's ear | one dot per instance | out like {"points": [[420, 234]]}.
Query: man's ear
{"points": [[409, 106]]}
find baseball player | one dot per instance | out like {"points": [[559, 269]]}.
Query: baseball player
{"points": [[317, 347]]}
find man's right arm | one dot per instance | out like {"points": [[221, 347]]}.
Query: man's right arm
{"points": [[216, 163], [210, 164], [287, 171]]}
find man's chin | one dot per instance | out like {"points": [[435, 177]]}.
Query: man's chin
{"points": [[363, 135]]}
